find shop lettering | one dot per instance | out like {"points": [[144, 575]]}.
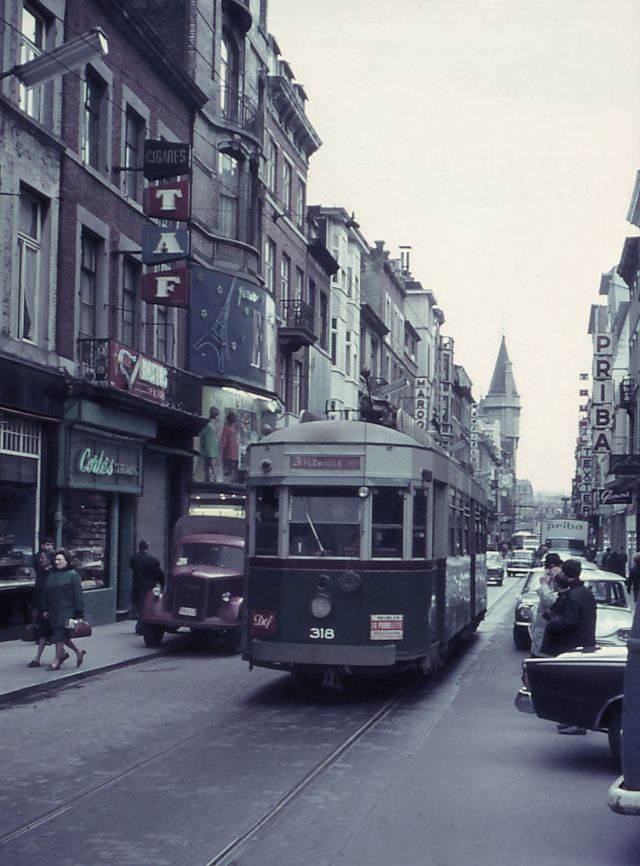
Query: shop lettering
{"points": [[96, 464], [171, 155]]}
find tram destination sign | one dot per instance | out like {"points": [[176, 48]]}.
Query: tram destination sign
{"points": [[324, 462]]}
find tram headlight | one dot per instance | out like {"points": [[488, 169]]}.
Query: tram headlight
{"points": [[266, 465], [320, 606], [363, 492]]}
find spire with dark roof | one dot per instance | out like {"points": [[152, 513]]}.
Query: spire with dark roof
{"points": [[502, 381]]}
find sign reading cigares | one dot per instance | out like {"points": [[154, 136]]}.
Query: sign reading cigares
{"points": [[166, 159]]}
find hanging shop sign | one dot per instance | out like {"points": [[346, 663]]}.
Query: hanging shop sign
{"points": [[168, 201], [170, 287], [95, 462], [614, 497], [624, 464], [161, 245], [166, 159]]}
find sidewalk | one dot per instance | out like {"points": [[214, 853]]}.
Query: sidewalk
{"points": [[110, 646]]}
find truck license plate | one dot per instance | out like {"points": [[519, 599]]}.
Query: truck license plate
{"points": [[187, 611]]}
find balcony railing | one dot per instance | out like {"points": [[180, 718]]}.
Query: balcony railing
{"points": [[111, 365], [297, 326], [236, 108]]}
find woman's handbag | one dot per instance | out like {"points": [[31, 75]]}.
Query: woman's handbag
{"points": [[78, 627], [31, 633]]}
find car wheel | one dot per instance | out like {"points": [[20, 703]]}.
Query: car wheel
{"points": [[521, 639], [152, 635], [614, 733]]}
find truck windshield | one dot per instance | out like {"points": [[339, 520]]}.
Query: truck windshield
{"points": [[206, 553]]}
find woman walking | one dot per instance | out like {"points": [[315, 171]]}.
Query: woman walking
{"points": [[62, 602]]}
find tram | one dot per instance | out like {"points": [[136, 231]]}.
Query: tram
{"points": [[366, 551]]}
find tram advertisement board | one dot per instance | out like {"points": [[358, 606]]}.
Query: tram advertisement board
{"points": [[386, 626]]}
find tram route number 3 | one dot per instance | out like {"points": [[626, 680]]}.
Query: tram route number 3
{"points": [[321, 633]]}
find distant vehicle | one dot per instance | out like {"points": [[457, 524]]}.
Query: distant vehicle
{"points": [[496, 567], [525, 540], [567, 537], [614, 615], [203, 590], [581, 688], [519, 562]]}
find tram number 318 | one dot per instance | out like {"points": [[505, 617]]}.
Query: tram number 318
{"points": [[321, 633]]}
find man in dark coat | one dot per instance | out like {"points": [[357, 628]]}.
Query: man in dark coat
{"points": [[571, 620], [146, 573]]}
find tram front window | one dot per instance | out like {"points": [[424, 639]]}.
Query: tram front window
{"points": [[266, 522], [386, 529], [324, 522]]}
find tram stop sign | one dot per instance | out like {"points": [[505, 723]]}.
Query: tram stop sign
{"points": [[166, 159]]}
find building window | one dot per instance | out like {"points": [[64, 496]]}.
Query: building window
{"points": [[34, 32], [270, 265], [300, 203], [129, 321], [296, 390], [163, 342], [299, 284], [313, 300], [350, 356], [89, 266], [324, 320], [229, 176], [29, 248], [287, 180], [229, 77], [272, 165], [334, 340], [285, 277], [94, 131], [134, 136]]}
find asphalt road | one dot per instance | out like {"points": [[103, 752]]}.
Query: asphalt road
{"points": [[173, 760]]}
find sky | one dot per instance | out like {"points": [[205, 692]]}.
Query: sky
{"points": [[500, 139]]}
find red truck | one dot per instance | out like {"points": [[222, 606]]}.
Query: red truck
{"points": [[203, 590]]}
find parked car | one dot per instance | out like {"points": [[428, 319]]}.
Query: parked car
{"points": [[203, 589], [614, 615], [519, 562], [582, 688], [624, 793], [496, 567]]}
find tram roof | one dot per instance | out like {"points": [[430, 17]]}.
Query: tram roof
{"points": [[338, 432]]}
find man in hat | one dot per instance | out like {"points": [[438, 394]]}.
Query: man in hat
{"points": [[146, 572], [546, 596]]}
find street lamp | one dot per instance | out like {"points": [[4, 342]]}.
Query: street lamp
{"points": [[69, 55]]}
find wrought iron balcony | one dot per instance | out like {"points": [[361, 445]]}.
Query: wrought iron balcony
{"points": [[297, 327], [111, 365], [237, 109]]}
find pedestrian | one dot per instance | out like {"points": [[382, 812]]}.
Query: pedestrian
{"points": [[571, 620], [618, 562], [546, 597], [229, 448], [633, 581], [606, 559], [146, 573], [63, 601], [210, 445], [44, 564]]}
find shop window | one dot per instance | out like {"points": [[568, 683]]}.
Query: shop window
{"points": [[85, 534]]}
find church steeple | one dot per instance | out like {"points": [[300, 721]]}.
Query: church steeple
{"points": [[502, 403]]}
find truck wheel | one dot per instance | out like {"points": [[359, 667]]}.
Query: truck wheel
{"points": [[614, 733], [152, 635]]}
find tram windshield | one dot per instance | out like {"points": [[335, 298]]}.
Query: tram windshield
{"points": [[324, 522]]}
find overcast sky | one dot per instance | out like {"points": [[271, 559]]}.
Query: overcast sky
{"points": [[500, 139]]}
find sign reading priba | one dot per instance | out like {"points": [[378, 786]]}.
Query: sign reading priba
{"points": [[166, 159], [324, 461]]}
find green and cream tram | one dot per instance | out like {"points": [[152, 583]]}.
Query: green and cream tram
{"points": [[365, 551]]}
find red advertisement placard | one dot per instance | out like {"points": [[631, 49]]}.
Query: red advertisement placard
{"points": [[169, 200], [170, 288]]}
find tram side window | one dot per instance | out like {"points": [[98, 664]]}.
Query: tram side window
{"points": [[324, 522], [266, 525], [419, 544], [387, 522]]}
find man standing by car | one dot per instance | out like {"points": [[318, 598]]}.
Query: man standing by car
{"points": [[571, 620], [546, 597], [146, 573]]}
